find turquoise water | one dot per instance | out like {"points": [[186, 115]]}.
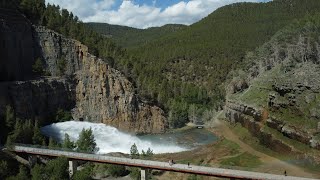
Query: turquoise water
{"points": [[190, 138]]}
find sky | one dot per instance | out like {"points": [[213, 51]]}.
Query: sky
{"points": [[143, 13]]}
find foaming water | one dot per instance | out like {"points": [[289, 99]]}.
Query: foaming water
{"points": [[108, 139]]}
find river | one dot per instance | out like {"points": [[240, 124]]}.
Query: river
{"points": [[110, 139]]}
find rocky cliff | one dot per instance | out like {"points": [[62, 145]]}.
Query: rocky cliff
{"points": [[62, 56], [277, 95], [103, 94], [78, 81], [37, 99]]}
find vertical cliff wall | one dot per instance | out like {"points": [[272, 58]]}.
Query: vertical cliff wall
{"points": [[37, 98], [79, 81], [62, 56], [104, 95], [16, 46]]}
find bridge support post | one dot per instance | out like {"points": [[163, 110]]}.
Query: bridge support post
{"points": [[144, 174], [32, 159], [72, 167]]}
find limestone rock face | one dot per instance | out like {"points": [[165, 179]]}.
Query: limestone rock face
{"points": [[54, 49], [104, 95]]}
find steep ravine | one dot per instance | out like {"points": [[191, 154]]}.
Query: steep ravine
{"points": [[86, 85]]}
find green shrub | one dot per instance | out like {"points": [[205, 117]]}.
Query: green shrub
{"points": [[116, 170], [63, 115], [242, 160], [38, 67], [62, 64]]}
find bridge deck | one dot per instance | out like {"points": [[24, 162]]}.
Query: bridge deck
{"points": [[208, 171]]}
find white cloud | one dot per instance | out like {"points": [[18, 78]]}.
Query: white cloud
{"points": [[143, 16], [84, 8]]}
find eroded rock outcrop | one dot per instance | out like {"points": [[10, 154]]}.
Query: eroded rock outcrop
{"points": [[238, 113], [62, 56], [104, 95], [253, 119]]}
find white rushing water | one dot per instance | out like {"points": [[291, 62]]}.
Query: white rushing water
{"points": [[108, 139]]}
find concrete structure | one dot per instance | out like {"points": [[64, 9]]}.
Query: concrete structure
{"points": [[32, 159], [146, 164], [144, 173], [72, 167]]}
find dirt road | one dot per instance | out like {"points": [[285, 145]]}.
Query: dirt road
{"points": [[270, 164]]}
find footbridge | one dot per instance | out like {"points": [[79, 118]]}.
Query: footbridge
{"points": [[146, 165]]}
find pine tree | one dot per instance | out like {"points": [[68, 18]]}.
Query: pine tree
{"points": [[134, 153], [52, 143], [67, 143], [22, 175], [86, 141], [9, 117], [38, 67], [37, 137], [3, 169]]}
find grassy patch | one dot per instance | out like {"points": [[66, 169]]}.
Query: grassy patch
{"points": [[255, 95], [253, 141], [258, 92], [243, 160], [292, 118], [231, 146], [195, 177]]}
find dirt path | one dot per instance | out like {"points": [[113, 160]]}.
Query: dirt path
{"points": [[270, 164]]}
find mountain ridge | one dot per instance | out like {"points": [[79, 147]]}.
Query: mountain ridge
{"points": [[129, 37], [193, 63]]}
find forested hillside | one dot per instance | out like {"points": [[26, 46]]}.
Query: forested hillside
{"points": [[129, 37], [190, 66], [183, 71]]}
